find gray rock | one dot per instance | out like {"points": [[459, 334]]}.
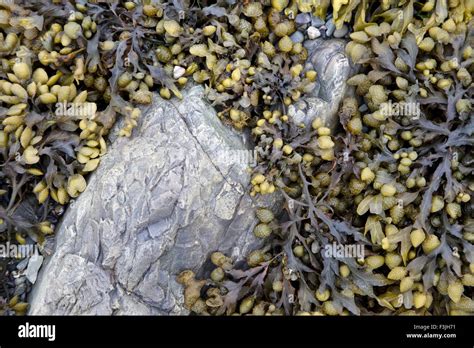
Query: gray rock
{"points": [[327, 57], [340, 33], [161, 202], [331, 27], [316, 22], [297, 37], [303, 18], [22, 264], [33, 267]]}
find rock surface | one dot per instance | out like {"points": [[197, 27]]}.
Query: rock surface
{"points": [[161, 202], [327, 57]]}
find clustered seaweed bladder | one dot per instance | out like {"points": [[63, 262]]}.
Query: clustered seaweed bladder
{"points": [[400, 186]]}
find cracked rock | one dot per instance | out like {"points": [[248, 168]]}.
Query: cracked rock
{"points": [[160, 202]]}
